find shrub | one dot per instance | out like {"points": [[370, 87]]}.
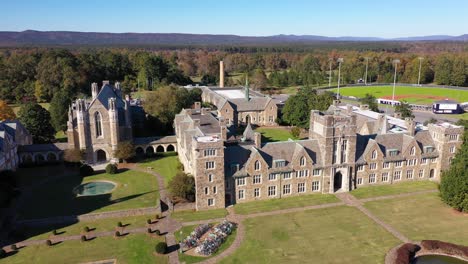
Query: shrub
{"points": [[125, 151], [157, 216], [149, 230], [161, 248], [295, 132], [86, 170], [83, 238], [157, 232], [2, 253], [14, 247], [119, 224], [149, 221], [182, 185], [117, 233], [48, 242], [111, 168], [86, 229], [55, 232]]}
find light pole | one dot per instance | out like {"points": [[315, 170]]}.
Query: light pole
{"points": [[420, 63], [395, 62], [365, 76], [330, 74], [340, 60]]}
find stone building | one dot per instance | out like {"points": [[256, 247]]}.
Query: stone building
{"points": [[240, 106], [99, 124], [347, 148], [12, 135]]}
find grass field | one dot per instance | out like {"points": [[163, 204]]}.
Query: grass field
{"points": [[129, 249], [189, 215], [135, 190], [391, 189], [423, 217], [165, 165], [284, 203], [417, 95], [186, 230], [274, 134], [332, 235]]}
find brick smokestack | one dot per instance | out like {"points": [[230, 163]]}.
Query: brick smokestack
{"points": [[221, 74]]}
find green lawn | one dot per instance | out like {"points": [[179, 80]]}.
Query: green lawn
{"points": [[16, 107], [274, 134], [332, 235], [423, 216], [391, 189], [166, 165], [284, 203], [101, 225], [186, 230], [134, 190], [130, 249], [189, 216], [30, 176], [426, 95]]}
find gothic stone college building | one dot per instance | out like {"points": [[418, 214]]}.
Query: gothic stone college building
{"points": [[347, 147]]}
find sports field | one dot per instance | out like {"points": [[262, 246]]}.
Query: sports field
{"points": [[416, 95]]}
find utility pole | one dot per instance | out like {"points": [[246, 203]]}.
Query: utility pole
{"points": [[330, 74], [419, 75], [340, 60], [395, 62], [367, 65]]}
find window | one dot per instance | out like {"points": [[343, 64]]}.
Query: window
{"points": [[421, 173], [270, 119], [210, 177], [412, 162], [303, 161], [98, 124], [453, 137], [240, 194], [372, 178], [301, 187], [287, 175], [280, 163], [302, 173], [315, 186], [287, 189], [206, 190], [413, 151], [271, 190], [210, 202], [397, 175], [434, 160], [424, 161], [210, 152], [316, 172], [209, 165], [373, 166], [374, 154], [257, 179], [409, 174], [385, 177], [344, 146], [398, 164], [452, 149], [393, 152], [428, 149], [257, 192], [257, 165], [240, 181], [359, 181], [386, 165], [360, 168], [272, 177], [214, 190]]}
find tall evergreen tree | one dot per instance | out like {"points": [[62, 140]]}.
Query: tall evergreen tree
{"points": [[36, 119], [59, 110]]}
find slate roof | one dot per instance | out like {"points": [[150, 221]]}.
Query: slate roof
{"points": [[154, 140], [248, 134], [106, 92], [43, 147], [254, 104]]}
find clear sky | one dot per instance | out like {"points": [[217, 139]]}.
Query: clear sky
{"points": [[376, 18]]}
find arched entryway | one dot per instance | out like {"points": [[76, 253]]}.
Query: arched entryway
{"points": [[170, 148], [431, 173], [101, 156], [139, 151], [27, 159], [51, 157], [337, 181], [247, 119], [160, 149], [150, 151], [39, 158]]}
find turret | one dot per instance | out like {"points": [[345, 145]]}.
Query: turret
{"points": [[81, 117], [247, 92], [94, 90], [118, 90], [221, 74], [113, 123]]}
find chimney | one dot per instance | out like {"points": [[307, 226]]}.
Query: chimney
{"points": [[127, 98], [258, 140], [364, 107], [117, 89], [349, 108], [411, 126], [94, 90], [397, 115], [221, 74], [205, 111], [247, 90], [197, 105], [105, 82], [336, 102]]}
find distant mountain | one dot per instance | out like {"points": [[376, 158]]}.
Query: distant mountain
{"points": [[32, 37]]}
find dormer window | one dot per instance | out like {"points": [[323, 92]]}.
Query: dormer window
{"points": [[374, 154], [428, 149], [280, 163], [392, 152], [303, 161], [413, 151]]}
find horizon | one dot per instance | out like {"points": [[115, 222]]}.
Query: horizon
{"points": [[362, 18]]}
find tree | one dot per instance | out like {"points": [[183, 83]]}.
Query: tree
{"points": [[36, 119], [404, 109], [259, 79], [443, 70], [182, 185], [59, 110], [125, 150], [6, 112], [161, 248], [458, 74], [111, 168], [295, 132], [73, 155], [454, 181], [371, 101]]}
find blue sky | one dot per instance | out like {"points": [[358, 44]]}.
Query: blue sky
{"points": [[378, 18]]}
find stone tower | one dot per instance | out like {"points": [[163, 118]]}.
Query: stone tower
{"points": [[447, 139]]}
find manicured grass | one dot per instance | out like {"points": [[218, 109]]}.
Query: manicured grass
{"points": [[274, 134], [134, 190], [129, 249], [30, 176], [410, 93], [332, 235], [16, 107], [188, 216], [61, 137], [284, 203], [101, 225], [186, 230], [391, 189], [423, 216], [463, 116], [166, 165]]}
